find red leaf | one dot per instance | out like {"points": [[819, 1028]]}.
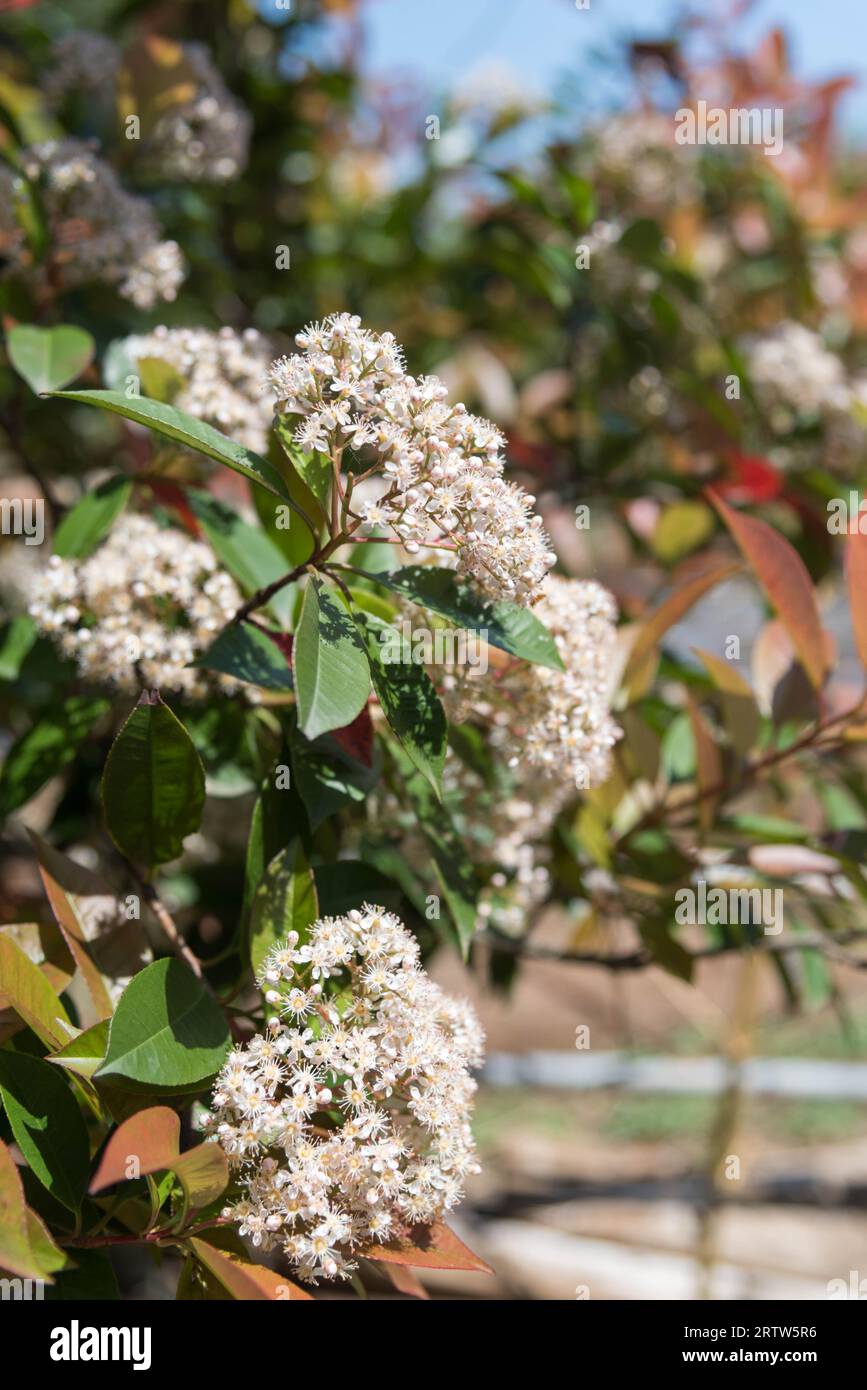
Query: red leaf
{"points": [[171, 494], [282, 641], [430, 1247], [150, 1137], [750, 479], [356, 738], [784, 578]]}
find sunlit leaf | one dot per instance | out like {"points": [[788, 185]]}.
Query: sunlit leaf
{"points": [[167, 1031], [432, 1246], [49, 358], [242, 1279]]}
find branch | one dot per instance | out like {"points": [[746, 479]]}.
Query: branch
{"points": [[166, 921], [750, 772]]}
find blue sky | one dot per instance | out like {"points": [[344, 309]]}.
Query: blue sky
{"points": [[436, 41]]}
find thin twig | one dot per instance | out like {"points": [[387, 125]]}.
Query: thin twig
{"points": [[167, 922]]}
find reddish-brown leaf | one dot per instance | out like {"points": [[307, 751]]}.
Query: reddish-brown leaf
{"points": [[429, 1247], [150, 1137], [105, 943], [708, 764], [282, 641], [171, 494], [16, 1252], [856, 568], [405, 1281], [356, 738], [784, 578], [244, 1280], [670, 612]]}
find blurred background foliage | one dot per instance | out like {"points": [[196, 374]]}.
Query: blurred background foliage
{"points": [[596, 290]]}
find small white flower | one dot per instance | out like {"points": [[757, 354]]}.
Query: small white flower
{"points": [[397, 1148]]}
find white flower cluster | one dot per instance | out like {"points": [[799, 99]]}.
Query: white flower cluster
{"points": [[97, 230], [222, 377], [443, 467], [556, 721], [206, 138], [349, 1119], [635, 151], [795, 375], [139, 609], [516, 829], [83, 61]]}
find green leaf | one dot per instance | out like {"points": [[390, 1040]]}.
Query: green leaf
{"points": [[160, 380], [284, 901], [314, 470], [82, 529], [775, 829], [47, 1125], [49, 358], [332, 675], [18, 637], [248, 654], [682, 527], [326, 776], [28, 992], [51, 745], [295, 531], [504, 625], [85, 1053], [667, 950], [342, 886], [454, 869], [92, 1279], [153, 786], [203, 1172], [42, 1244], [409, 702], [277, 816], [245, 551], [175, 424], [167, 1031]]}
